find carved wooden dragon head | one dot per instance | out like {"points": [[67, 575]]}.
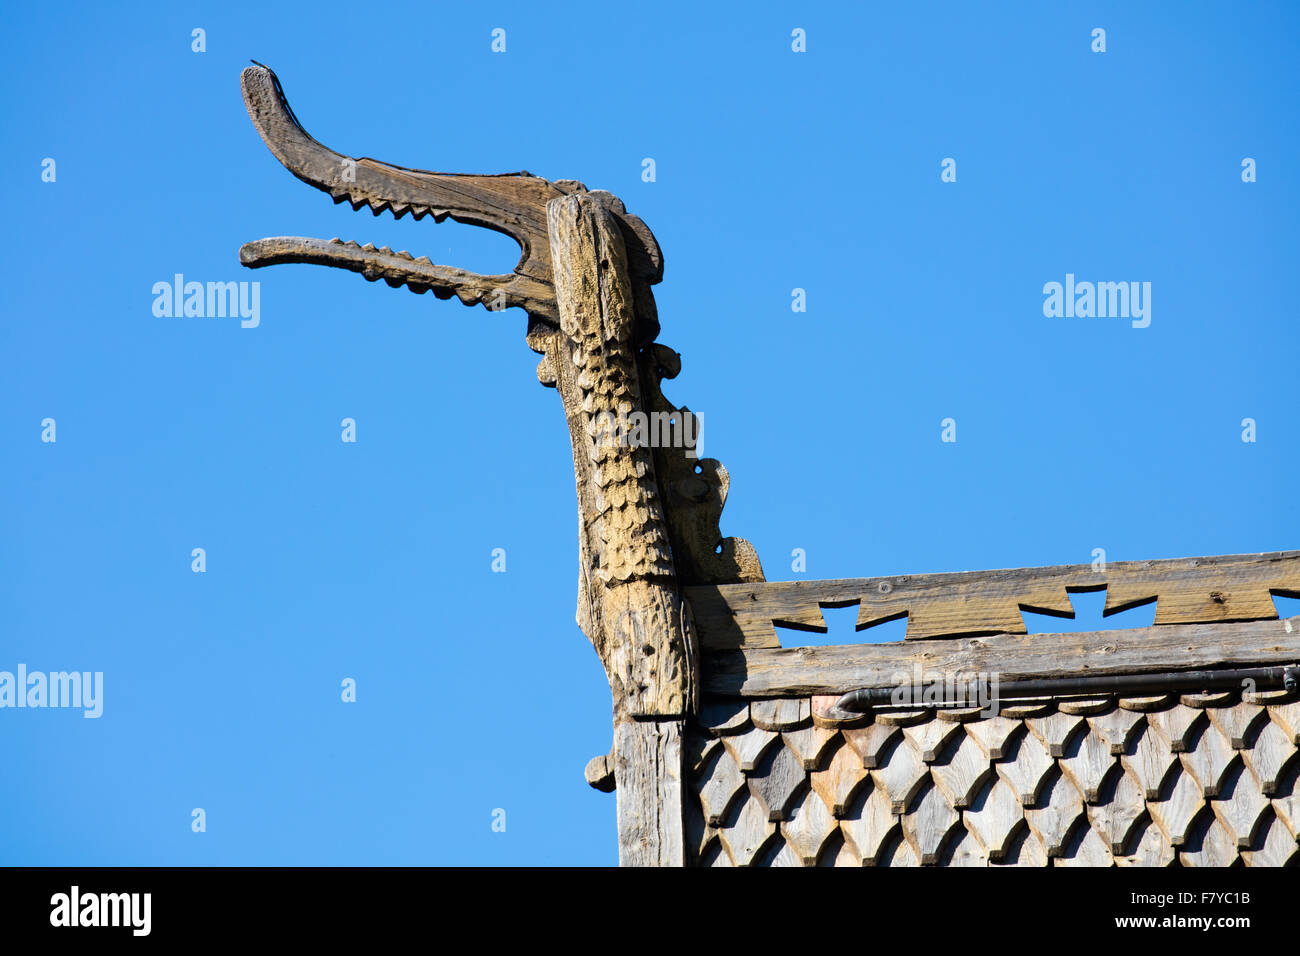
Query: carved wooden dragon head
{"points": [[511, 203], [648, 511], [514, 204]]}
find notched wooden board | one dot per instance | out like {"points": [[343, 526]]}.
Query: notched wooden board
{"points": [[1223, 588]]}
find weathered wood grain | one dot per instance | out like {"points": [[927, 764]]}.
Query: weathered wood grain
{"points": [[628, 602], [778, 672], [651, 808], [1234, 587], [600, 773], [510, 203]]}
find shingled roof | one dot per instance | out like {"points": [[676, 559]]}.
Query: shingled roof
{"points": [[1203, 779], [1199, 766]]}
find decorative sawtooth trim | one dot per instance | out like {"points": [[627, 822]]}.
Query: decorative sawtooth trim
{"points": [[1236, 587]]}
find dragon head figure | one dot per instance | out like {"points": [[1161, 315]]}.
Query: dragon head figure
{"points": [[511, 203]]}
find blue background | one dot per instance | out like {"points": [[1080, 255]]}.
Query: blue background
{"points": [[775, 170]]}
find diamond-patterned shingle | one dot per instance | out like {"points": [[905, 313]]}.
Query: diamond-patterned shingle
{"points": [[836, 784], [808, 826], [1087, 782], [869, 824]]}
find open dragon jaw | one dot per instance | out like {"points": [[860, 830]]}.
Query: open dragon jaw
{"points": [[968, 743]]}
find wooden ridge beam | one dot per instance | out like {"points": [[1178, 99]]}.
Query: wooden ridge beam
{"points": [[798, 671]]}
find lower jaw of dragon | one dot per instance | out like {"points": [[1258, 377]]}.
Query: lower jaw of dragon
{"points": [[420, 275], [396, 268]]}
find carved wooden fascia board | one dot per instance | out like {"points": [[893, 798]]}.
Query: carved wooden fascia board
{"points": [[1230, 587]]}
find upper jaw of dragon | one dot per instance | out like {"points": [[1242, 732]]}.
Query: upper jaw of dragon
{"points": [[514, 204]]}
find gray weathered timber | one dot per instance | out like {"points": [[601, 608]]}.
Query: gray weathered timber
{"points": [[779, 672], [628, 603], [651, 806], [1235, 587]]}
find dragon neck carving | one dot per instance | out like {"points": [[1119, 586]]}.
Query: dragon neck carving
{"points": [[648, 512]]}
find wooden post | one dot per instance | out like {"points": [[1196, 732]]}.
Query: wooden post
{"points": [[648, 769], [628, 603]]}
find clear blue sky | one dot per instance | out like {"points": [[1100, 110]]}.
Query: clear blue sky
{"points": [[775, 170]]}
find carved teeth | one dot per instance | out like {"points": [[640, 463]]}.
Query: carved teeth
{"points": [[373, 271], [382, 250], [356, 204], [400, 210], [419, 212], [378, 207]]}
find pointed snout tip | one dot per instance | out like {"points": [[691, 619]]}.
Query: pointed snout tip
{"points": [[257, 74]]}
